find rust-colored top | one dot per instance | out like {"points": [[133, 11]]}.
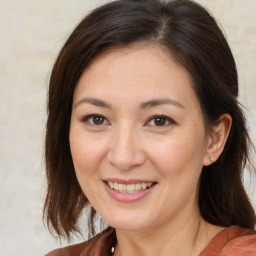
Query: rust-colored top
{"points": [[231, 241]]}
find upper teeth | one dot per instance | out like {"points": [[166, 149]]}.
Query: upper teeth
{"points": [[129, 188]]}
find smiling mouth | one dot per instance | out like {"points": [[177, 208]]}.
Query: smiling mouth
{"points": [[129, 188]]}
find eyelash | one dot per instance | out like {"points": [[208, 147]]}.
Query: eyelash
{"points": [[166, 119], [87, 119], [90, 120]]}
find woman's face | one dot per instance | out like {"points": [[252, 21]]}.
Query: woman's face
{"points": [[137, 138]]}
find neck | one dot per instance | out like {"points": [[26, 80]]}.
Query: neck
{"points": [[186, 239]]}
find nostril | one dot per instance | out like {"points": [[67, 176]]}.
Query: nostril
{"points": [[126, 158]]}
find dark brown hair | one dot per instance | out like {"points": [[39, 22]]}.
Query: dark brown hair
{"points": [[192, 36]]}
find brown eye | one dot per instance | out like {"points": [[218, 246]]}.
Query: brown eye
{"points": [[160, 121], [95, 120], [98, 120]]}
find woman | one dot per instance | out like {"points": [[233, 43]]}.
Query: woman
{"points": [[145, 129]]}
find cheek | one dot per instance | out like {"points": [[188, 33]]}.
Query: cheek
{"points": [[86, 156], [179, 161], [85, 159], [179, 154], [86, 153]]}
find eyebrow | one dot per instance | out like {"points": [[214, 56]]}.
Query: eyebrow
{"points": [[156, 102], [147, 104], [93, 101]]}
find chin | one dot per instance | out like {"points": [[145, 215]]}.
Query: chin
{"points": [[128, 222]]}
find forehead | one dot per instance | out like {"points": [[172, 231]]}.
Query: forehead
{"points": [[140, 70]]}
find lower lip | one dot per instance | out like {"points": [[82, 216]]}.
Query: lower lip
{"points": [[127, 197]]}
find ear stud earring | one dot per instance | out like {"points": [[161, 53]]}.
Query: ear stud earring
{"points": [[211, 159]]}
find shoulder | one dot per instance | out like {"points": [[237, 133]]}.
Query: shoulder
{"points": [[242, 242], [76, 249], [232, 241], [90, 247]]}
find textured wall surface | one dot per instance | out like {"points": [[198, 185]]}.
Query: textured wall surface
{"points": [[31, 33]]}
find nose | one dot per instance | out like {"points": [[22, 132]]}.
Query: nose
{"points": [[125, 152]]}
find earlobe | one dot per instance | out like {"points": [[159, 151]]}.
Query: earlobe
{"points": [[217, 139]]}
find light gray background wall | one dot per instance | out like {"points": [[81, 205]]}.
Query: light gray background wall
{"points": [[31, 33]]}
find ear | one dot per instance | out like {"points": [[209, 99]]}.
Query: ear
{"points": [[217, 139]]}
